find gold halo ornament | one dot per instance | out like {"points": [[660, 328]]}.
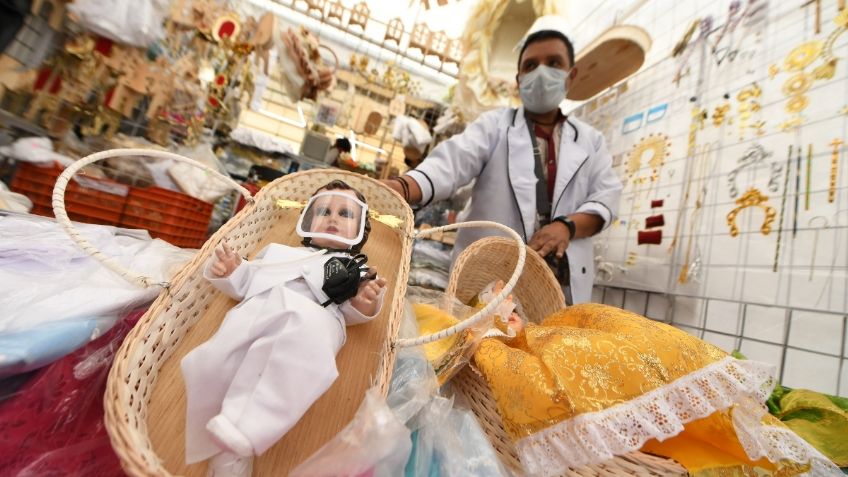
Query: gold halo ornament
{"points": [[658, 145]]}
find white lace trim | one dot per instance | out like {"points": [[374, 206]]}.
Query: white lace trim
{"points": [[595, 437], [776, 443]]}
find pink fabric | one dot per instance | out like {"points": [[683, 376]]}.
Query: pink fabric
{"points": [[53, 425]]}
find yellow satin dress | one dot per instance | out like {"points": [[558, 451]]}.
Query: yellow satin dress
{"points": [[593, 381]]}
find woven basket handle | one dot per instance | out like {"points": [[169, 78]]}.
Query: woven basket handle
{"points": [[65, 222], [500, 297]]}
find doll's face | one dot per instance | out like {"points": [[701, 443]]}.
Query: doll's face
{"points": [[336, 215], [515, 323]]}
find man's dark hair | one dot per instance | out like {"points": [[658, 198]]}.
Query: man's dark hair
{"points": [[547, 35], [340, 185]]}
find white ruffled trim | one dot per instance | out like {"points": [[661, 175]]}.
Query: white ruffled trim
{"points": [[776, 443], [595, 437]]}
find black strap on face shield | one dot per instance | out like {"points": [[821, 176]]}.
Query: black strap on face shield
{"points": [[342, 276]]}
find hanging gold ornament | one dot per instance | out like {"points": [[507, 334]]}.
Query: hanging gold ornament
{"points": [[797, 104], [720, 114], [797, 84], [752, 198], [657, 145], [803, 55], [825, 71]]}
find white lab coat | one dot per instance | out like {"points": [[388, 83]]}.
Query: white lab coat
{"points": [[496, 149], [274, 354]]}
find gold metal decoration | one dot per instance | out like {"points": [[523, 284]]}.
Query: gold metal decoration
{"points": [[289, 204], [797, 104], [797, 84], [752, 198], [720, 113], [658, 145], [748, 98], [834, 169], [803, 55]]}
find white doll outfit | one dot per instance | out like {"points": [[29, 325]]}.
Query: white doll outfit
{"points": [[272, 358]]}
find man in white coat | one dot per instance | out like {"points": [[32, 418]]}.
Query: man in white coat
{"points": [[546, 175]]}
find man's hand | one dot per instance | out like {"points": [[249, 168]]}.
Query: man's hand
{"points": [[366, 300], [227, 261], [551, 238]]}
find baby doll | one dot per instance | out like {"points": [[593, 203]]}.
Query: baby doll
{"points": [[275, 352]]}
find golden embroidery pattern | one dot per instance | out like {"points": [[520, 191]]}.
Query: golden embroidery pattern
{"points": [[752, 198]]}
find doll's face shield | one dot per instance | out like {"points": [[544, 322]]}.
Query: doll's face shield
{"points": [[333, 218]]}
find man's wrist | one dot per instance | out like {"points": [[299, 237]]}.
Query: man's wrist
{"points": [[569, 224]]}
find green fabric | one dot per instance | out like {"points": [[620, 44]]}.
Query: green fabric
{"points": [[820, 420]]}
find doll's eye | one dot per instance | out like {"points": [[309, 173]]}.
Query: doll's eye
{"points": [[322, 211], [346, 213]]}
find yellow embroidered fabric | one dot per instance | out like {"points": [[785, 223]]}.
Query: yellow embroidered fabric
{"points": [[586, 358], [594, 381]]}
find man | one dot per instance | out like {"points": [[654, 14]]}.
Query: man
{"points": [[547, 176]]}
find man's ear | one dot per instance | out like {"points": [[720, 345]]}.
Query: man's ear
{"points": [[571, 75]]}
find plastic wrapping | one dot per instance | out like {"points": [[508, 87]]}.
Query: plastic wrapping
{"points": [[55, 298], [411, 133], [38, 150], [195, 181], [13, 201], [430, 254], [374, 444], [446, 441], [53, 423], [413, 433], [448, 355], [134, 22]]}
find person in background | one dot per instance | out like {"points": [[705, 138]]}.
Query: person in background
{"points": [[546, 175], [341, 145]]}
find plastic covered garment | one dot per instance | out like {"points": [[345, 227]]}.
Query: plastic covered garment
{"points": [[38, 150], [134, 22], [55, 298], [374, 444], [448, 355], [195, 181], [436, 440], [14, 202], [410, 132], [53, 423]]}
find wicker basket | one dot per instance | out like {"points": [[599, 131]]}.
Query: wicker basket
{"points": [[537, 290], [145, 399]]}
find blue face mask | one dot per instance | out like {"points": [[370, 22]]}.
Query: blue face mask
{"points": [[542, 89]]}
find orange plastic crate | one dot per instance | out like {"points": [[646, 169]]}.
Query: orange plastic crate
{"points": [[82, 203], [171, 216]]}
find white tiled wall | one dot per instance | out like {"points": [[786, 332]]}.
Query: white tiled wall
{"points": [[805, 347], [737, 300]]}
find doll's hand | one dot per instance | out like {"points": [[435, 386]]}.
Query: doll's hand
{"points": [[227, 261], [366, 300]]}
